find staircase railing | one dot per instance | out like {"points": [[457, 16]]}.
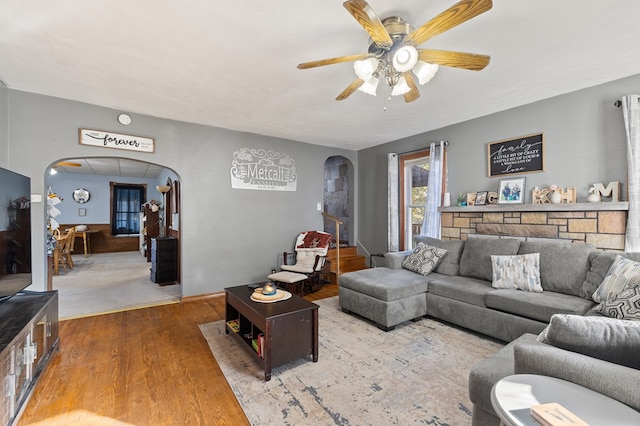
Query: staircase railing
{"points": [[338, 223]]}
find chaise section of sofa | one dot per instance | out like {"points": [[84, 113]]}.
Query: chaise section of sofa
{"points": [[385, 296], [392, 295]]}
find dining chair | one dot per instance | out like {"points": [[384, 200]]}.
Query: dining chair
{"points": [[68, 247], [58, 255]]}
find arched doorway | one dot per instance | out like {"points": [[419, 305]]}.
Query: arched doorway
{"points": [[114, 273], [338, 201]]}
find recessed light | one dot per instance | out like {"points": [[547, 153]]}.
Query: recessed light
{"points": [[124, 119]]}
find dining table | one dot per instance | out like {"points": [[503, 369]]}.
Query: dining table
{"points": [[86, 239]]}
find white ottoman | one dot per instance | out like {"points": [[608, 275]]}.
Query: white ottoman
{"points": [[290, 281]]}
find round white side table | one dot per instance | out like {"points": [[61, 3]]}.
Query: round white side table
{"points": [[513, 396]]}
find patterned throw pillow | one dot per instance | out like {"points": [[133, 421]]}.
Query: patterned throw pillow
{"points": [[520, 272], [624, 273], [625, 305], [423, 259]]}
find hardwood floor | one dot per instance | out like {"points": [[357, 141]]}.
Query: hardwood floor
{"points": [[149, 366]]}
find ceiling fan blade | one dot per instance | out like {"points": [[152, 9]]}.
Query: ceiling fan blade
{"points": [[67, 164], [366, 17], [467, 61], [331, 61], [350, 89], [450, 18], [414, 93]]}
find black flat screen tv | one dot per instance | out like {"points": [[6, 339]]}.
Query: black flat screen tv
{"points": [[15, 233]]}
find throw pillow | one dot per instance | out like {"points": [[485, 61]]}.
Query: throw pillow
{"points": [[314, 239], [600, 263], [625, 305], [624, 273], [423, 259], [450, 263], [604, 338], [520, 272]]}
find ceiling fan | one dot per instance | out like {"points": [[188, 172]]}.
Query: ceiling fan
{"points": [[393, 53], [53, 170], [67, 164]]}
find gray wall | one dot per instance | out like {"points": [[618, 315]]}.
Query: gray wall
{"points": [[4, 125], [229, 237], [585, 143], [98, 208]]}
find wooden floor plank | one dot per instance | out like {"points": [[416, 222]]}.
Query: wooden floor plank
{"points": [[141, 367]]}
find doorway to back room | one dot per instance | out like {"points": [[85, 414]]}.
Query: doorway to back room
{"points": [[117, 227]]}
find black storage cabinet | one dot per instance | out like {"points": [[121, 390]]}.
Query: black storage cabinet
{"points": [[164, 260]]}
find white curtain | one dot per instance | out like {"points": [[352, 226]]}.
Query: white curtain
{"points": [[393, 237], [431, 222], [631, 111]]}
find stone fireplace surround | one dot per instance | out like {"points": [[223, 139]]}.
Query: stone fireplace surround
{"points": [[601, 224]]}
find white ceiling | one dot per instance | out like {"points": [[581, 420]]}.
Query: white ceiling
{"points": [[232, 63], [110, 167]]}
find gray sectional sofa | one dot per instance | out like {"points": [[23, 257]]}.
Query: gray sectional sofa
{"points": [[459, 291]]}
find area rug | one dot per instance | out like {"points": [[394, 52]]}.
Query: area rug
{"points": [[416, 374]]}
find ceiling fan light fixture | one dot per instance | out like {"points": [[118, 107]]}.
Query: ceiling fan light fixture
{"points": [[425, 71], [369, 87], [401, 87], [364, 69], [405, 58]]}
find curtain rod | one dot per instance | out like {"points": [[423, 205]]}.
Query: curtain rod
{"points": [[618, 103], [446, 143]]}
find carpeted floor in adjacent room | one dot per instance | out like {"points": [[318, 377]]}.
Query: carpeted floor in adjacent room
{"points": [[415, 374], [108, 282]]}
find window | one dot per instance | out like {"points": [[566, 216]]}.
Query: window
{"points": [[126, 204], [414, 173]]}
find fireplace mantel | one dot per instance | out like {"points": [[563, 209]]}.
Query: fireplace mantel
{"points": [[600, 224], [564, 207]]}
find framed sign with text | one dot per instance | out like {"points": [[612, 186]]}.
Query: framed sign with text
{"points": [[115, 140], [524, 154]]}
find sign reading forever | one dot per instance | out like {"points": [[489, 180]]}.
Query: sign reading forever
{"points": [[115, 140], [513, 156]]}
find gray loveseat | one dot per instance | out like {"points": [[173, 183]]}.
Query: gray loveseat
{"points": [[598, 353], [459, 290]]}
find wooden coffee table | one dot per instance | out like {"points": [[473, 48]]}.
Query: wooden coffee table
{"points": [[284, 331]]}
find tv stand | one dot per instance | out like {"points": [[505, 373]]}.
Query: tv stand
{"points": [[28, 337]]}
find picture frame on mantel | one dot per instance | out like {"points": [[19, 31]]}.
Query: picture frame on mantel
{"points": [[512, 190], [481, 198]]}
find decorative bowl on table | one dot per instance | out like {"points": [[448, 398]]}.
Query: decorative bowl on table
{"points": [[269, 289]]}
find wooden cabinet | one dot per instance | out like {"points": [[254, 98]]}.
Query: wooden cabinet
{"points": [[164, 260], [28, 337], [151, 229]]}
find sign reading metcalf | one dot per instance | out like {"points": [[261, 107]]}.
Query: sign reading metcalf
{"points": [[263, 170], [115, 140]]}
